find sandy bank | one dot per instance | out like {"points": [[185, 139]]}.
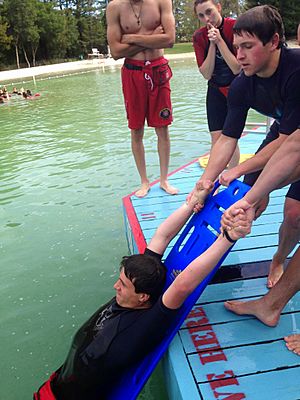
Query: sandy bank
{"points": [[21, 75]]}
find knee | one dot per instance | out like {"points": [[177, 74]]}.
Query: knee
{"points": [[137, 136], [292, 216], [162, 133]]}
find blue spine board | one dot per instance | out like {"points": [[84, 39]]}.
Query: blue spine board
{"points": [[200, 232]]}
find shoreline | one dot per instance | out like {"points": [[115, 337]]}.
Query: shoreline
{"points": [[16, 76]]}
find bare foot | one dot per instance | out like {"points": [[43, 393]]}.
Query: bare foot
{"points": [[168, 188], [293, 343], [257, 308], [143, 191], [276, 270], [200, 193]]}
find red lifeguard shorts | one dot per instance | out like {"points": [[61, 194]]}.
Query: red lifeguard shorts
{"points": [[147, 93], [45, 391]]}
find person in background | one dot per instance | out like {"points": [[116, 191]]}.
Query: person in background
{"points": [[216, 59], [139, 30]]}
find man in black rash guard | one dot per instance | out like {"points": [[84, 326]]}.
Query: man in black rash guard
{"points": [[270, 84], [129, 326]]}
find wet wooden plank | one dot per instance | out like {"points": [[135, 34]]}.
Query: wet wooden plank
{"points": [[275, 385], [244, 331], [246, 360], [236, 290]]}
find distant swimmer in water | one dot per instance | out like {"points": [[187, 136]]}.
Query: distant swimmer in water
{"points": [[27, 94]]}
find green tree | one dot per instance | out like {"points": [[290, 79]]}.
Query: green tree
{"points": [[5, 40], [185, 20], [230, 8], [58, 32], [289, 11], [22, 16]]}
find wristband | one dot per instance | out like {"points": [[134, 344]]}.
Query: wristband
{"points": [[226, 234]]}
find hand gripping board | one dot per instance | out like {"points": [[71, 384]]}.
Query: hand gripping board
{"points": [[199, 233]]}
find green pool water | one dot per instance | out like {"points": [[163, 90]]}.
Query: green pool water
{"points": [[66, 163]]}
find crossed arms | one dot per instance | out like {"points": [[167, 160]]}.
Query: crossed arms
{"points": [[128, 45]]}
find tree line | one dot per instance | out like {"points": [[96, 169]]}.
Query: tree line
{"points": [[35, 32]]}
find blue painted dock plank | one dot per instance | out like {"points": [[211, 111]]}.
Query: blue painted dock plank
{"points": [[234, 290], [274, 385], [218, 314], [244, 331], [246, 360]]}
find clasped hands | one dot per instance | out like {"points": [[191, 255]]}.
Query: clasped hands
{"points": [[213, 34], [237, 219]]}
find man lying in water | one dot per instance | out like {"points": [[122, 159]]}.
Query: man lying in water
{"points": [[128, 327]]}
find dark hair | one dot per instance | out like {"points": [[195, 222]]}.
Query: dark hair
{"points": [[263, 22], [147, 274], [196, 2]]}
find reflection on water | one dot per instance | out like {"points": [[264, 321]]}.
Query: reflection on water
{"points": [[65, 165]]}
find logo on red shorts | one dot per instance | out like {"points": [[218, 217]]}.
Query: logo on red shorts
{"points": [[165, 113]]}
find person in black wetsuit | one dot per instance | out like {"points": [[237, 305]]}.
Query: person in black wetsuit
{"points": [[130, 325], [216, 59], [270, 84]]}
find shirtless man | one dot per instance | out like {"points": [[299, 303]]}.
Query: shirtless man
{"points": [[268, 308], [139, 30]]}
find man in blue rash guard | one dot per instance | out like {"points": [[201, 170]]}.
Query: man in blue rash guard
{"points": [[129, 326], [270, 84]]}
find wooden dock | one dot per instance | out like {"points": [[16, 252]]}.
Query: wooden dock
{"points": [[217, 354]]}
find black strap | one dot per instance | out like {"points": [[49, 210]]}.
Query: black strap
{"points": [[133, 67], [226, 234]]}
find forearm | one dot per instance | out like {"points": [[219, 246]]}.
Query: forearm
{"points": [[121, 50], [219, 157], [282, 169], [229, 58], [198, 269], [187, 281], [169, 228], [208, 65], [155, 41], [259, 160]]}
